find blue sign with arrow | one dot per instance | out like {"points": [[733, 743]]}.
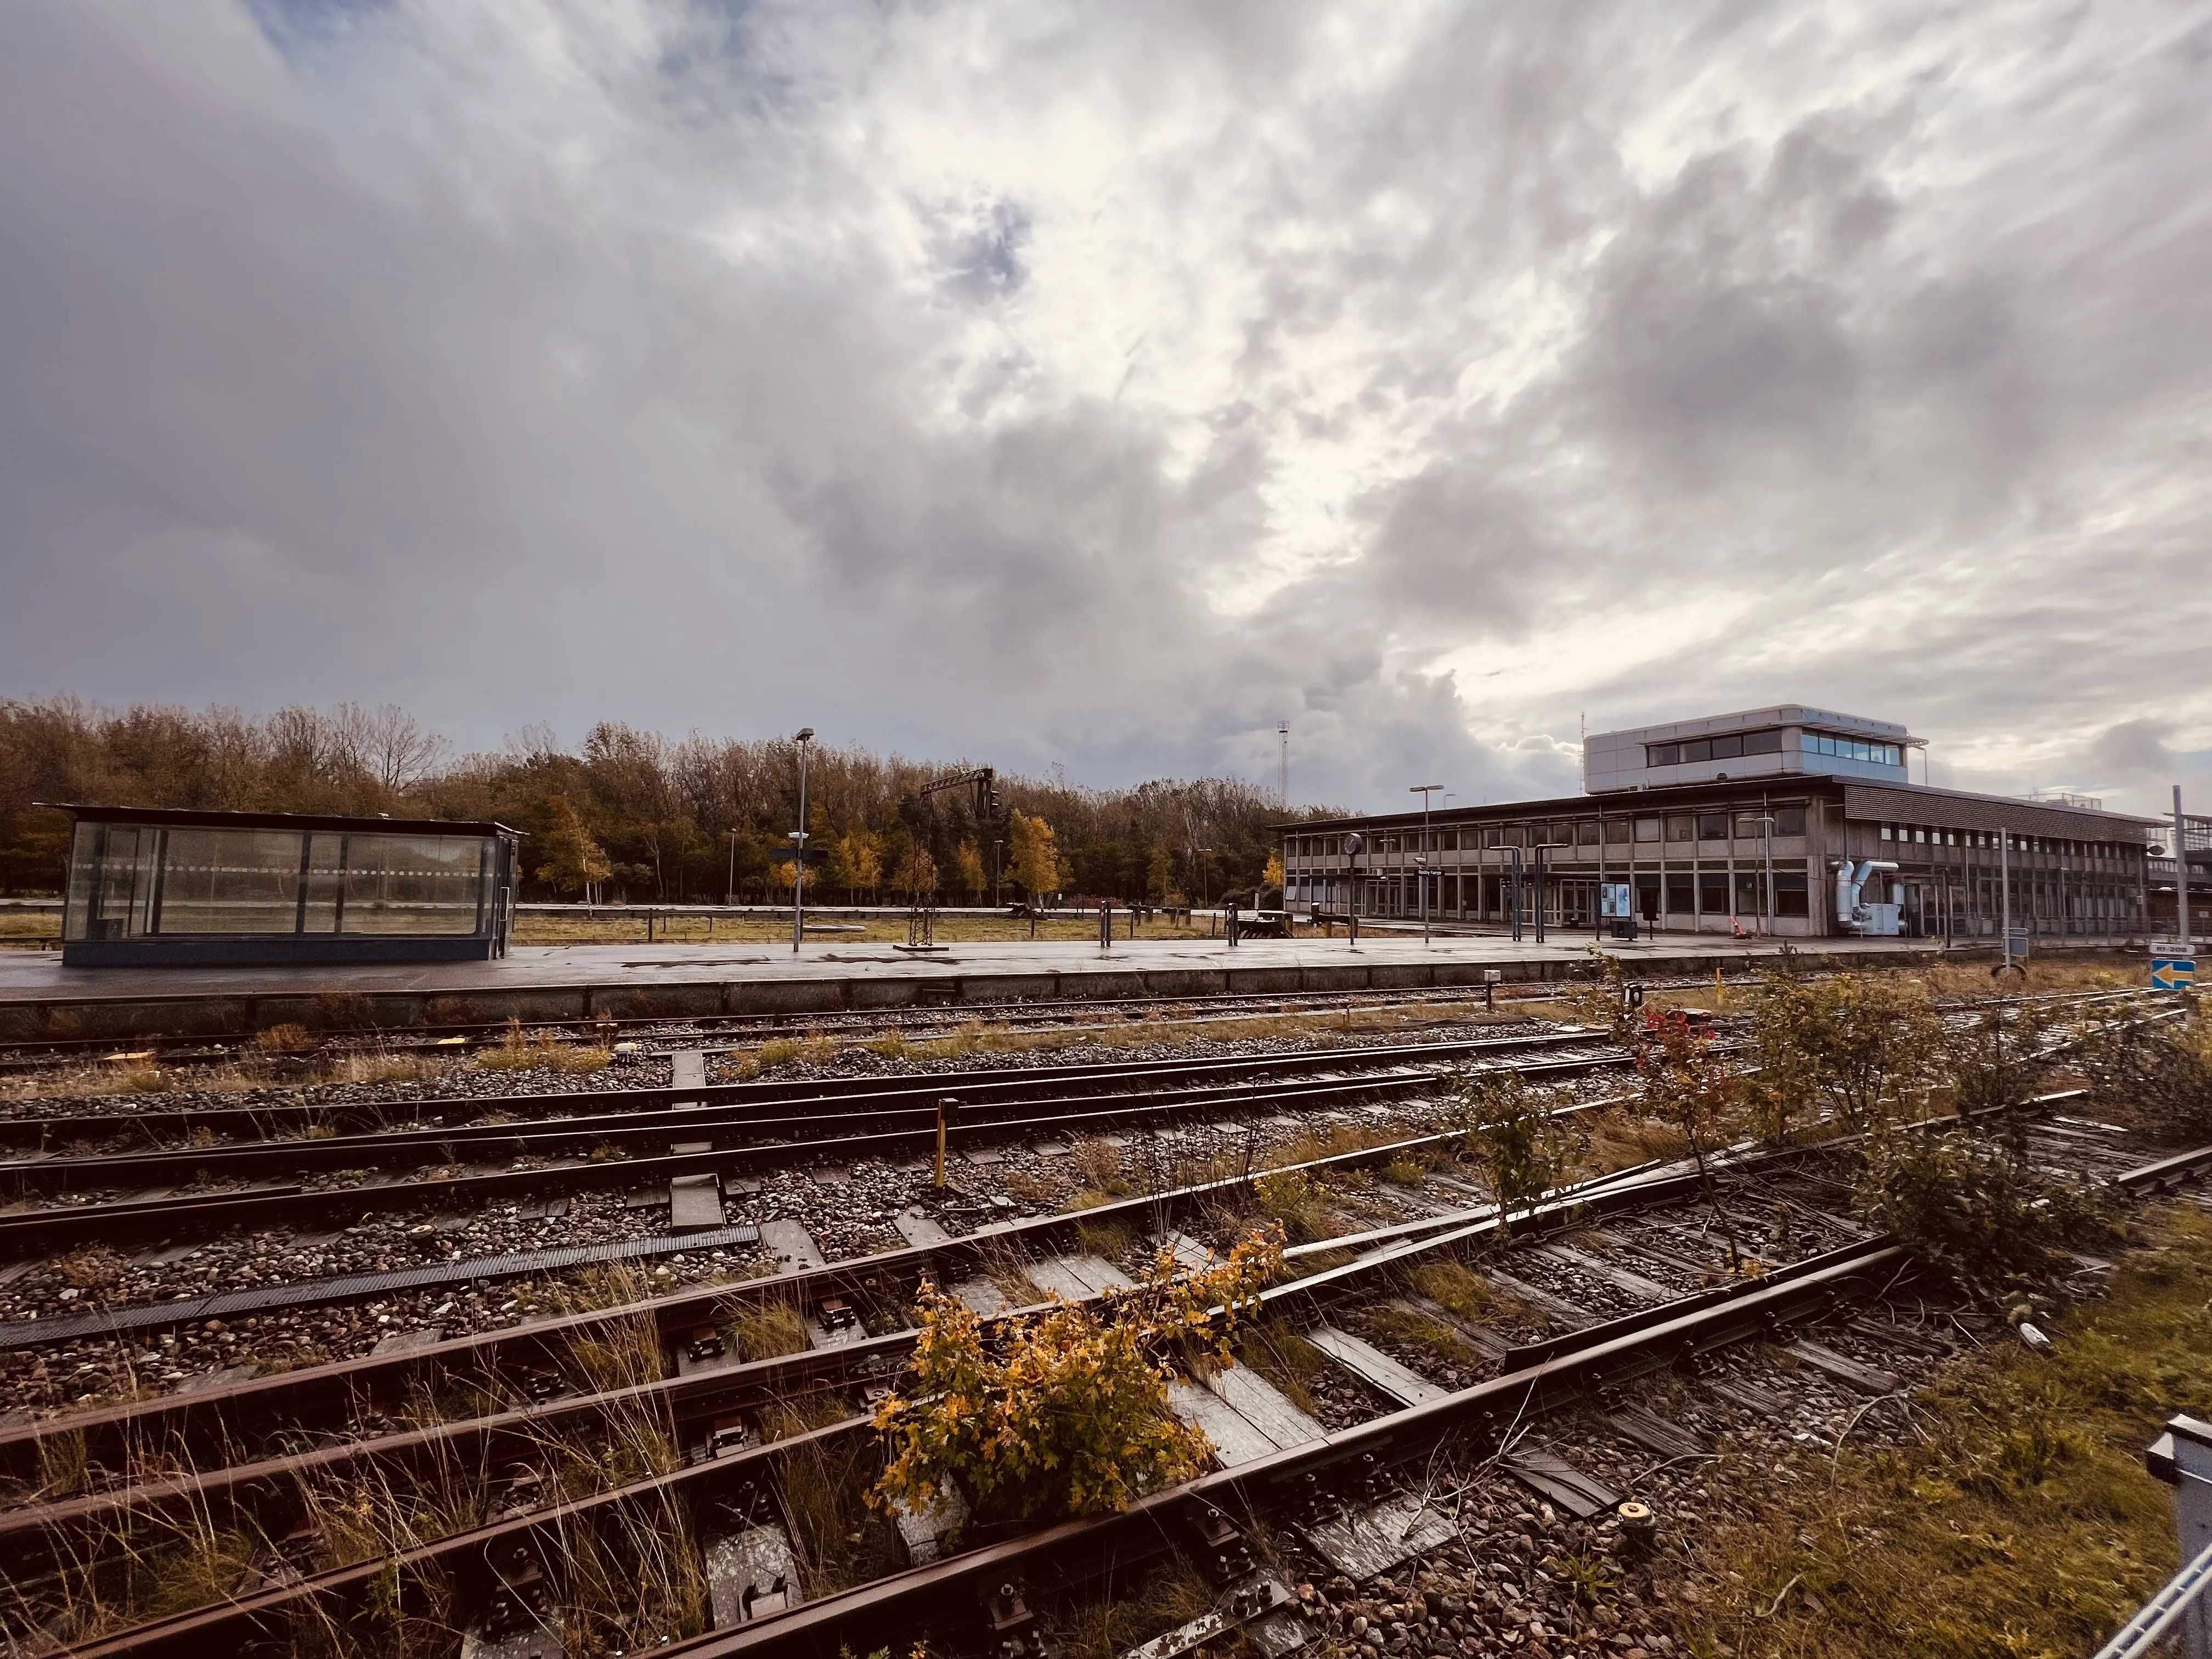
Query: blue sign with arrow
{"points": [[2173, 973]]}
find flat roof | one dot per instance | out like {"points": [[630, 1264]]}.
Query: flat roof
{"points": [[1786, 713], [1621, 803], [179, 817]]}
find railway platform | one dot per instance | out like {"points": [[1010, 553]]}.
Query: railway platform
{"points": [[40, 998]]}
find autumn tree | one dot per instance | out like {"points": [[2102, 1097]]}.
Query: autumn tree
{"points": [[855, 863], [1064, 1413], [968, 861], [1036, 854], [575, 863]]}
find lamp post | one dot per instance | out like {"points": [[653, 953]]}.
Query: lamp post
{"points": [[798, 836], [730, 892], [1354, 844], [1421, 866]]}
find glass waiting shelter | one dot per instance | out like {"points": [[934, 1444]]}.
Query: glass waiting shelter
{"points": [[153, 886]]}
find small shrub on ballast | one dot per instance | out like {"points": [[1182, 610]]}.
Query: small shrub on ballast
{"points": [[1973, 1206], [1523, 1140], [1846, 1049], [2158, 1074], [1066, 1413]]}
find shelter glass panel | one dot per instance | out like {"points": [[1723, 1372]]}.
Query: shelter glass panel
{"points": [[412, 885], [230, 882], [111, 881]]}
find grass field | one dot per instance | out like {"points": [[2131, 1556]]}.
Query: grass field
{"points": [[2018, 1521]]}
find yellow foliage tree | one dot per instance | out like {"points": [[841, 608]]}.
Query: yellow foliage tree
{"points": [[971, 859], [1069, 1412], [574, 861], [1035, 853], [917, 871], [855, 862], [1272, 875]]}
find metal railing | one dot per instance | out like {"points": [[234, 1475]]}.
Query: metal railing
{"points": [[2160, 1617]]}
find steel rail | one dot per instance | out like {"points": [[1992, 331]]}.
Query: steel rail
{"points": [[479, 1440], [980, 1084], [1539, 1377], [62, 1224], [202, 1421], [822, 1626], [662, 1110], [1050, 1012]]}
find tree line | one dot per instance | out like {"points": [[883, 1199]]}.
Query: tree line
{"points": [[631, 816]]}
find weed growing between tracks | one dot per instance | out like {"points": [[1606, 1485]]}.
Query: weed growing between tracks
{"points": [[530, 1051], [1066, 1414], [2016, 1519]]}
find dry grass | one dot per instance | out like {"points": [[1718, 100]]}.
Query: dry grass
{"points": [[382, 1065], [765, 1332], [1283, 1359], [532, 1051], [1620, 1140], [1424, 1333], [2020, 1522], [1173, 1595], [1456, 1288]]}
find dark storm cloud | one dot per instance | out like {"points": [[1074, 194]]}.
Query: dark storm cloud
{"points": [[1103, 385]]}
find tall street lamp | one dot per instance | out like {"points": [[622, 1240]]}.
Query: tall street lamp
{"points": [[798, 836], [1421, 873], [730, 892]]}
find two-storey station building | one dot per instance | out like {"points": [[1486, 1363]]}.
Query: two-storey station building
{"points": [[1790, 821]]}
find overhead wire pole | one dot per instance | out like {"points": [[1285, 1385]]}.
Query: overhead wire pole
{"points": [[1428, 851], [2181, 877], [798, 836]]}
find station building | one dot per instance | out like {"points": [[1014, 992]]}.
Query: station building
{"points": [[1791, 821], [151, 885]]}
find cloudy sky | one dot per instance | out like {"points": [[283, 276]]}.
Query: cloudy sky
{"points": [[1100, 384]]}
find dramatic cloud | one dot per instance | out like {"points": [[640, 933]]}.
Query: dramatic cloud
{"points": [[1101, 384]]}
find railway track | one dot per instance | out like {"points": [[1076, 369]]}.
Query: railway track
{"points": [[1625, 1279], [920, 1022], [742, 1128]]}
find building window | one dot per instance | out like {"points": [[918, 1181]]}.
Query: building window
{"points": [[1886, 833], [1750, 893], [1616, 831], [1880, 754], [1694, 750], [1713, 892], [1790, 895], [1680, 826], [1712, 826], [1680, 900], [1751, 826], [1789, 820], [1648, 828], [1587, 833]]}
